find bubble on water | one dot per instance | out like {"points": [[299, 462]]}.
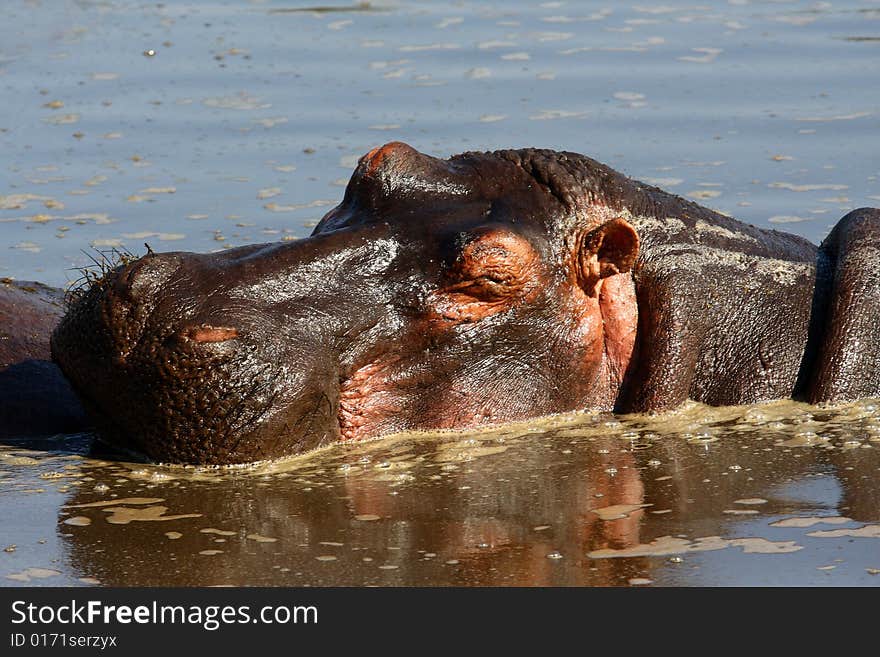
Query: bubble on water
{"points": [[617, 511], [628, 95], [261, 539], [219, 532], [124, 500], [867, 531], [705, 56], [670, 545], [554, 114], [53, 475], [804, 439], [33, 573], [702, 438]]}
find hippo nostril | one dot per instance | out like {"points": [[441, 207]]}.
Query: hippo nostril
{"points": [[208, 333], [138, 279]]}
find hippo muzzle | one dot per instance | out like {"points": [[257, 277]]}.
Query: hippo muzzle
{"points": [[229, 358]]}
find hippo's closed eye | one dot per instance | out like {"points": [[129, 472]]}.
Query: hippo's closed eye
{"points": [[493, 269]]}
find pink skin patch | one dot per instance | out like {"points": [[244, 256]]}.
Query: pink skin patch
{"points": [[377, 157], [365, 398], [620, 317], [207, 333]]}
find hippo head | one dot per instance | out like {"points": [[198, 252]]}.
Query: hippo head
{"points": [[440, 294]]}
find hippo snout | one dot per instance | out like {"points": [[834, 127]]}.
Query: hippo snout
{"points": [[170, 368]]}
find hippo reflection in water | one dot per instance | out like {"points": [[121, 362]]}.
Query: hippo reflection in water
{"points": [[486, 288]]}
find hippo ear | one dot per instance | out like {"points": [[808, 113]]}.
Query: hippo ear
{"points": [[609, 249]]}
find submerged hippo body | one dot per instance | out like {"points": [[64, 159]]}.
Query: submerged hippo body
{"points": [[486, 288], [35, 398]]}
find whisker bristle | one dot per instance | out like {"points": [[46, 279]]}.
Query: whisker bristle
{"points": [[103, 263]]}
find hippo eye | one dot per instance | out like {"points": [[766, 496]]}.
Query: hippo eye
{"points": [[494, 262], [488, 286], [493, 269]]}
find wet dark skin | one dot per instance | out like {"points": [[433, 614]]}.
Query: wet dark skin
{"points": [[483, 289]]}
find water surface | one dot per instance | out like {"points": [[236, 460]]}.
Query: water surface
{"points": [[778, 494], [202, 126]]}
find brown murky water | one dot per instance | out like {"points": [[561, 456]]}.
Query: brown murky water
{"points": [[775, 494]]}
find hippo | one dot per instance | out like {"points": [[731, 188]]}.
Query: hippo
{"points": [[459, 293], [35, 398]]}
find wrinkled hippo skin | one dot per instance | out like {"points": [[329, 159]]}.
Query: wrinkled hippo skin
{"points": [[35, 398], [447, 294]]}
